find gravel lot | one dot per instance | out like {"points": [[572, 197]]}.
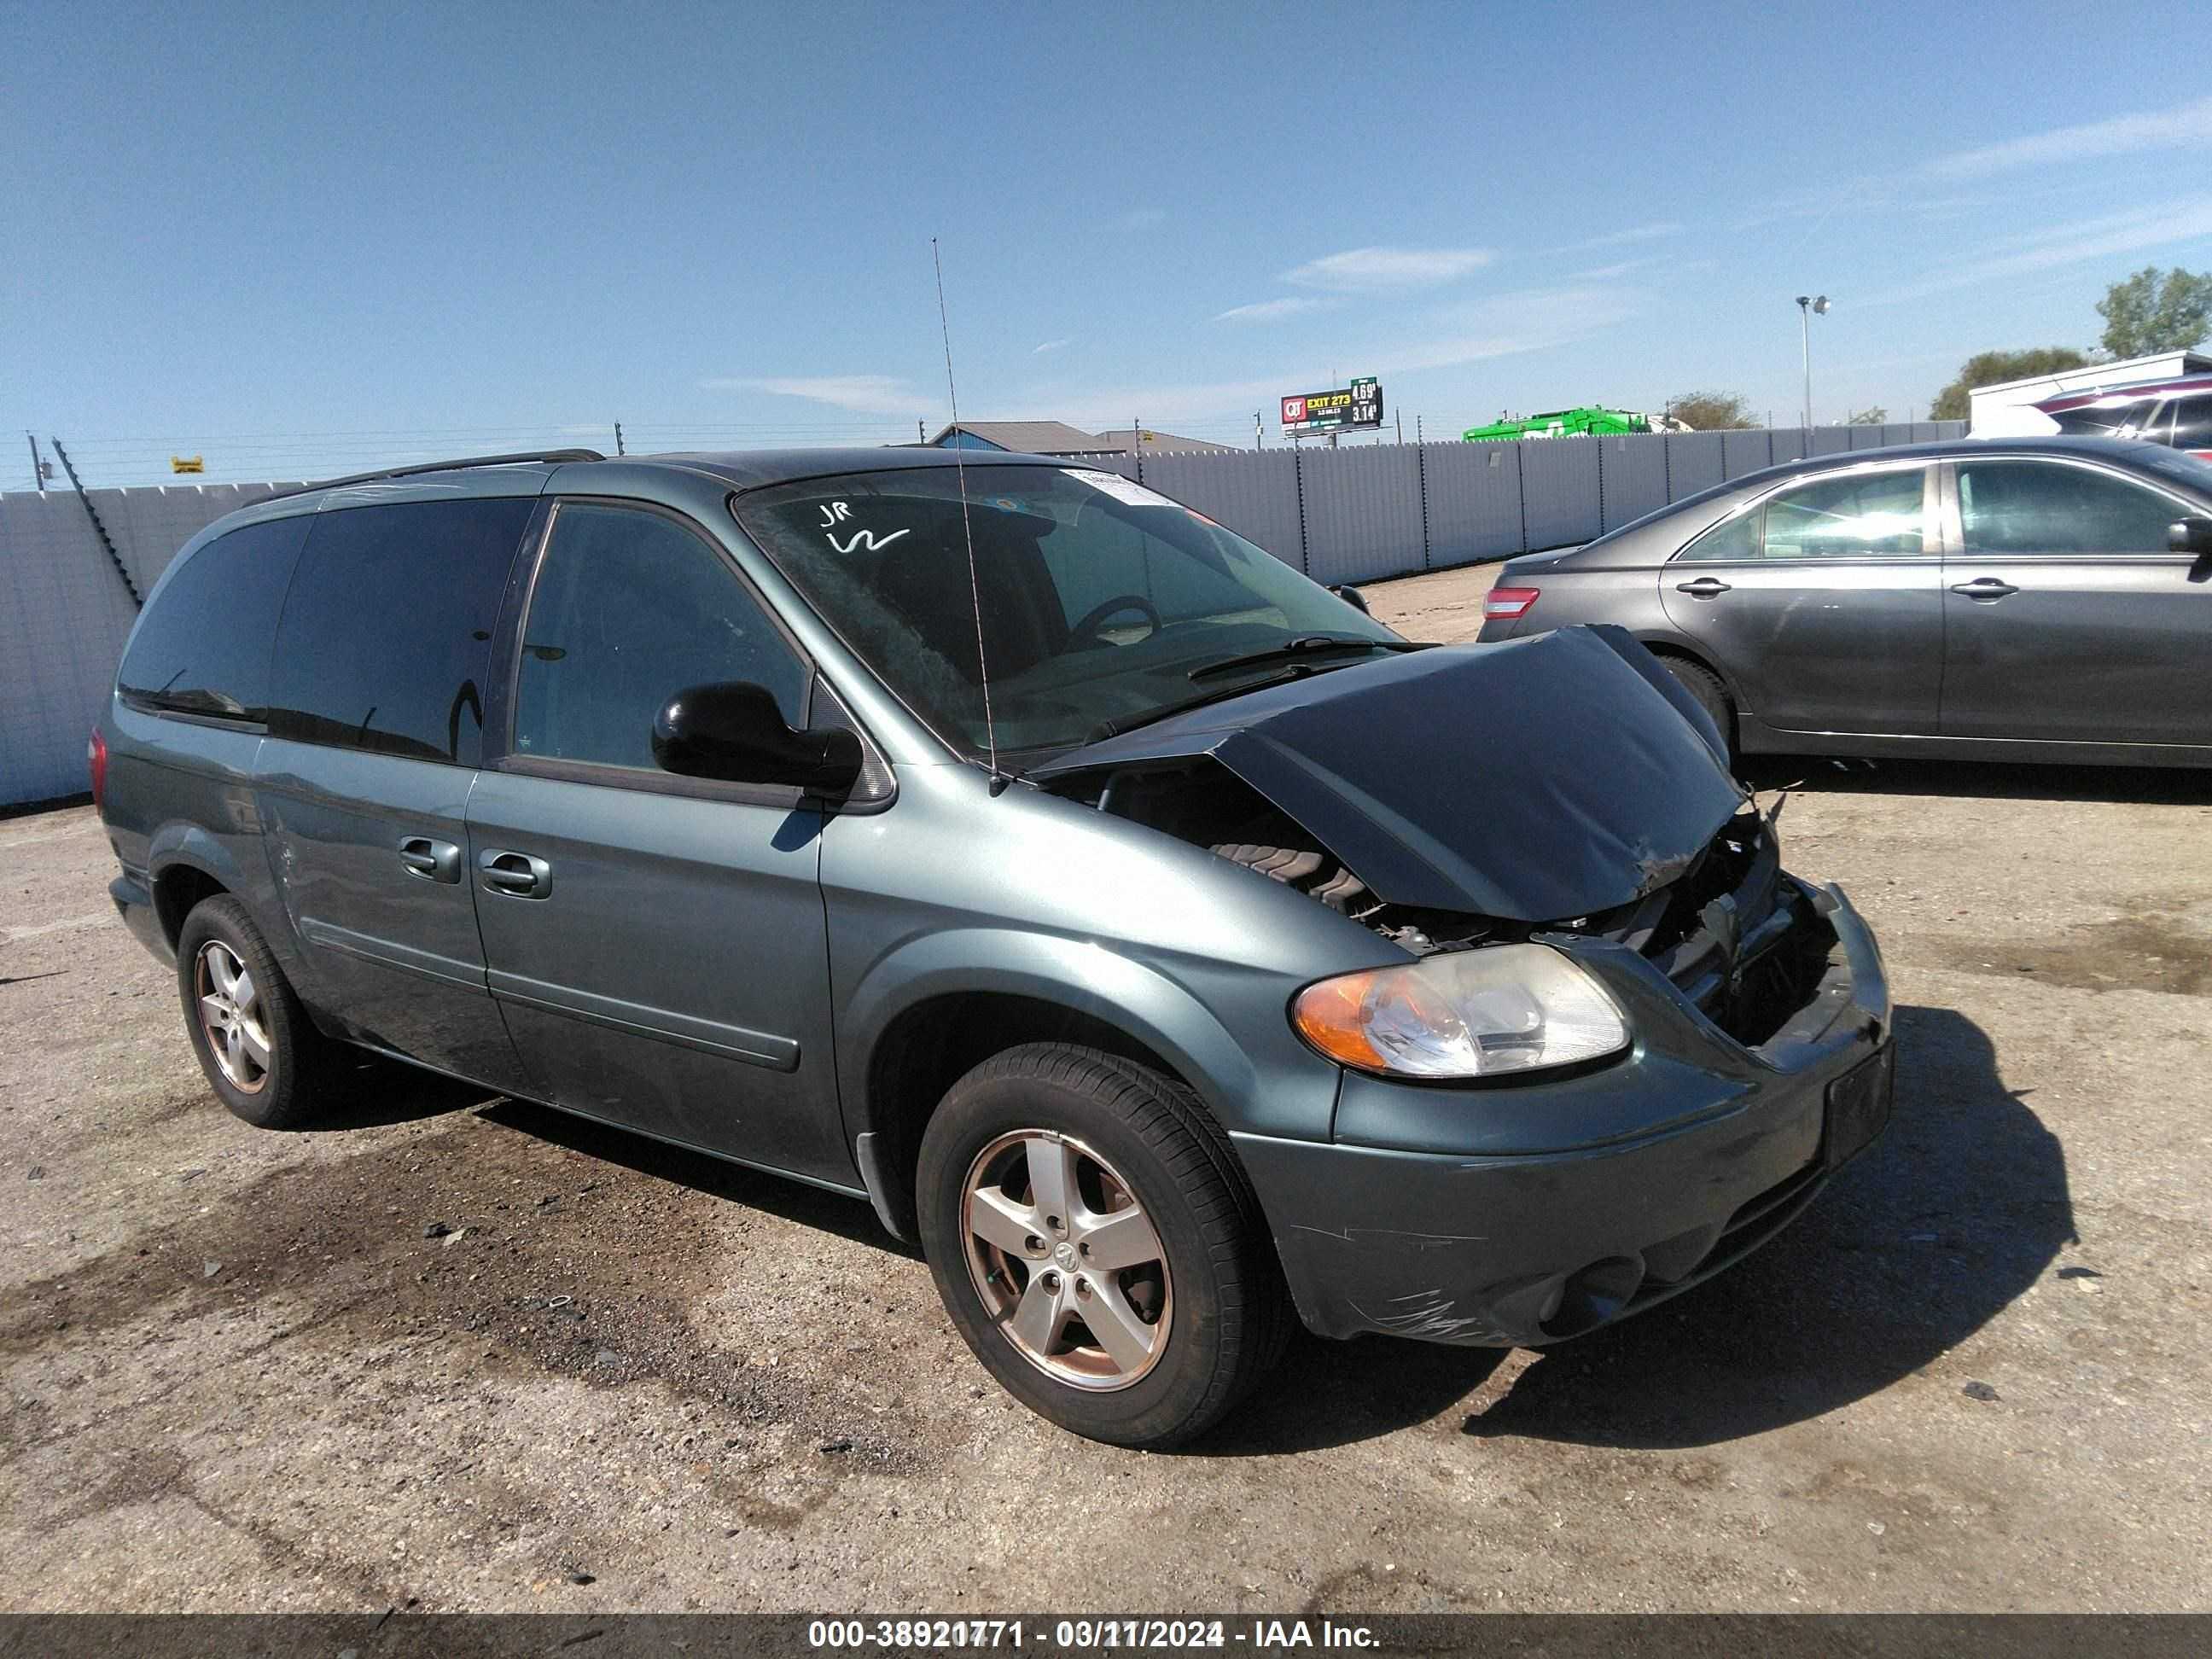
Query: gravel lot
{"points": [[241, 1373]]}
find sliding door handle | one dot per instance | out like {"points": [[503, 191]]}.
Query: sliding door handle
{"points": [[517, 875]]}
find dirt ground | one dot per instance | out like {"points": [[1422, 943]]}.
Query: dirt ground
{"points": [[468, 1354]]}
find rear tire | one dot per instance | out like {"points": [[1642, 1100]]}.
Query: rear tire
{"points": [[1704, 685], [1097, 1245], [262, 1054]]}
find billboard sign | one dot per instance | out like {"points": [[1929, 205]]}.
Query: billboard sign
{"points": [[1355, 406]]}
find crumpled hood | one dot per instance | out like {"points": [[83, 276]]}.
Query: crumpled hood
{"points": [[1535, 779]]}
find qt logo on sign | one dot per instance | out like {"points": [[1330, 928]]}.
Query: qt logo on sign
{"points": [[1294, 409]]}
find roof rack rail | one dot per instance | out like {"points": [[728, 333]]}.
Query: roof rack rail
{"points": [[440, 466]]}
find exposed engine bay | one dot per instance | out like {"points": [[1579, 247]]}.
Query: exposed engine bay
{"points": [[1735, 933]]}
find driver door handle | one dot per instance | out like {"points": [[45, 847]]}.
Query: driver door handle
{"points": [[1985, 587], [1704, 589], [517, 875], [433, 860]]}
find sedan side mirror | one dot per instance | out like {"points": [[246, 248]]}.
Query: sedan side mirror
{"points": [[731, 731], [1352, 596], [2190, 534]]}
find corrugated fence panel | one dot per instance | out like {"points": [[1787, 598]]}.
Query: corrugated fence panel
{"points": [[1253, 492], [1897, 432], [1362, 513], [63, 615], [1831, 440], [1695, 461], [1788, 443], [1558, 490], [1634, 469], [1474, 501], [1746, 452]]}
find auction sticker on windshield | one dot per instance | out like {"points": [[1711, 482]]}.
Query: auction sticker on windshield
{"points": [[1120, 489]]}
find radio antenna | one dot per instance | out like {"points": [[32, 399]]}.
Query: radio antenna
{"points": [[999, 780]]}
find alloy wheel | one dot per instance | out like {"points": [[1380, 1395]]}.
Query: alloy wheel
{"points": [[1068, 1265], [232, 1019]]}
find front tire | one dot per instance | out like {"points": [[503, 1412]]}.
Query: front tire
{"points": [[262, 1054], [1096, 1244]]}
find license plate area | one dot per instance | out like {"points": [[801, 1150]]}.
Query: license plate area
{"points": [[1858, 1107]]}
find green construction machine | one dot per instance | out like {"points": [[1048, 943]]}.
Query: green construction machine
{"points": [[1588, 421]]}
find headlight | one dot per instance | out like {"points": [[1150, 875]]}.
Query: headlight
{"points": [[1490, 1012]]}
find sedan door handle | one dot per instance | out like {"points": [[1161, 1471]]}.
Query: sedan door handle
{"points": [[433, 860], [1704, 589], [1985, 587], [517, 875]]}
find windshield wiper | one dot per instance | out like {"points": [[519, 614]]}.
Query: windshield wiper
{"points": [[1120, 723], [1305, 645]]}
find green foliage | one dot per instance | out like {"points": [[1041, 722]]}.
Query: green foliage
{"points": [[1875, 417], [2149, 312], [1989, 368], [1711, 412]]}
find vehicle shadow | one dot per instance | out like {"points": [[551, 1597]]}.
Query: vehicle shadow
{"points": [[373, 1092], [778, 1195], [1823, 774], [1957, 1210]]}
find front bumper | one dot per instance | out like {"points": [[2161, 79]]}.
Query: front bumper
{"points": [[1521, 1214]]}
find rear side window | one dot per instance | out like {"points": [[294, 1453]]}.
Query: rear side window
{"points": [[2047, 507], [2192, 424], [1852, 515], [204, 645], [2107, 420], [628, 609], [386, 644]]}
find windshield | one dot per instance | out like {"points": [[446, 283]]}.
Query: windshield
{"points": [[1098, 597]]}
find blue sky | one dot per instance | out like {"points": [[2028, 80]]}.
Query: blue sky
{"points": [[296, 242]]}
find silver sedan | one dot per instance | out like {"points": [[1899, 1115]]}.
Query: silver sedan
{"points": [[2034, 598]]}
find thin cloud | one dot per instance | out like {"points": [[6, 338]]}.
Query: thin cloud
{"points": [[2179, 128], [2186, 220], [1614, 272], [1144, 218], [1499, 327], [1273, 310], [1622, 238], [1365, 270], [864, 394], [1052, 345]]}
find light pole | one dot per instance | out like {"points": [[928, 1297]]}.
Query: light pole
{"points": [[1807, 307]]}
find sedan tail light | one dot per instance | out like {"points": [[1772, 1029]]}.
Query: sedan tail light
{"points": [[1506, 603], [95, 760]]}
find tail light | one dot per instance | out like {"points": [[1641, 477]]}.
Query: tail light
{"points": [[1505, 603], [95, 761]]}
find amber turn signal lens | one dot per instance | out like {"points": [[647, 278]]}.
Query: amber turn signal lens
{"points": [[1333, 1016]]}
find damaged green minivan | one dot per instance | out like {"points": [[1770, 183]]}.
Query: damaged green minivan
{"points": [[1161, 943]]}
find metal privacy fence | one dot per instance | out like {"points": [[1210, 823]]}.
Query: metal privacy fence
{"points": [[65, 609], [1342, 515]]}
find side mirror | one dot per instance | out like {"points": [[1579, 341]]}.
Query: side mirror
{"points": [[2190, 534], [731, 731], [1352, 596]]}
